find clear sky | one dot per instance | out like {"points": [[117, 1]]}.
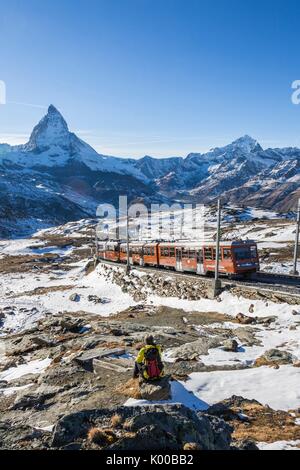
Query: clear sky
{"points": [[158, 77]]}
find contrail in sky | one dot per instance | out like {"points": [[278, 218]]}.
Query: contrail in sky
{"points": [[31, 105]]}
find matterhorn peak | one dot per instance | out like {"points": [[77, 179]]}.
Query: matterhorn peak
{"points": [[51, 130], [53, 110]]}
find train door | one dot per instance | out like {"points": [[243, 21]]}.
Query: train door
{"points": [[178, 259], [130, 257], [200, 267], [142, 256]]}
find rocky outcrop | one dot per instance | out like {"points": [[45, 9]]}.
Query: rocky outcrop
{"points": [[157, 427], [192, 351], [156, 390]]}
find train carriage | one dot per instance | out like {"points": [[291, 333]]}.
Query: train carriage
{"points": [[137, 253], [235, 257], [150, 253], [109, 250]]}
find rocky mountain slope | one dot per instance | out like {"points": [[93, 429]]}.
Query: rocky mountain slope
{"points": [[56, 177], [69, 335]]}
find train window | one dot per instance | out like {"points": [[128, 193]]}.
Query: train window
{"points": [[192, 254], [226, 253], [242, 253], [164, 251], [172, 252], [208, 253], [185, 253], [152, 251], [214, 253], [253, 251]]}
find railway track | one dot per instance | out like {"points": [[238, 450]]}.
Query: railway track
{"points": [[286, 285]]}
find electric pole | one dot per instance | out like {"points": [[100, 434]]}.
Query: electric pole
{"points": [[217, 282], [218, 241], [127, 244], [295, 272]]}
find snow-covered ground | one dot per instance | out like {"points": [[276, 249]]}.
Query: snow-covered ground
{"points": [[279, 388], [113, 299], [32, 367], [280, 445], [258, 383], [203, 389]]}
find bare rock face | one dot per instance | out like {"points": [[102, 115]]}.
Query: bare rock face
{"points": [[156, 390], [155, 427]]}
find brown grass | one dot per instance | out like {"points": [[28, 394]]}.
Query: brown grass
{"points": [[116, 420], [265, 424], [262, 361], [191, 446], [44, 290], [130, 389], [101, 437]]}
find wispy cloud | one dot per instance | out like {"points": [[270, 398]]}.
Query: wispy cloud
{"points": [[31, 105]]}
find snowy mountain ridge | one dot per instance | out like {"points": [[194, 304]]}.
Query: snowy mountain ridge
{"points": [[56, 177]]}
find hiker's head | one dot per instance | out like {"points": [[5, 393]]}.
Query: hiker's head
{"points": [[149, 339]]}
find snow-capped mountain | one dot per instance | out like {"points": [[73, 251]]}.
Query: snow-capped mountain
{"points": [[56, 177]]}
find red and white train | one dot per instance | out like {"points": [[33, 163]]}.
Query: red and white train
{"points": [[235, 257]]}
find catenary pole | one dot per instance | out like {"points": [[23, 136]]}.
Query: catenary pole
{"points": [[296, 248]]}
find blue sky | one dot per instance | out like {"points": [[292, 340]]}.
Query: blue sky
{"points": [[158, 77]]}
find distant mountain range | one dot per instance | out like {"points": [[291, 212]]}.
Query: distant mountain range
{"points": [[56, 177]]}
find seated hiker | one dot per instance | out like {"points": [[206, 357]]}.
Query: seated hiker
{"points": [[148, 363]]}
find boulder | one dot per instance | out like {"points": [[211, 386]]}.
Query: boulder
{"points": [[183, 368], [274, 357], [191, 351], [73, 325], [251, 308], [86, 359], [246, 335], [245, 319], [97, 300], [245, 444], [230, 345], [74, 297], [156, 390]]}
